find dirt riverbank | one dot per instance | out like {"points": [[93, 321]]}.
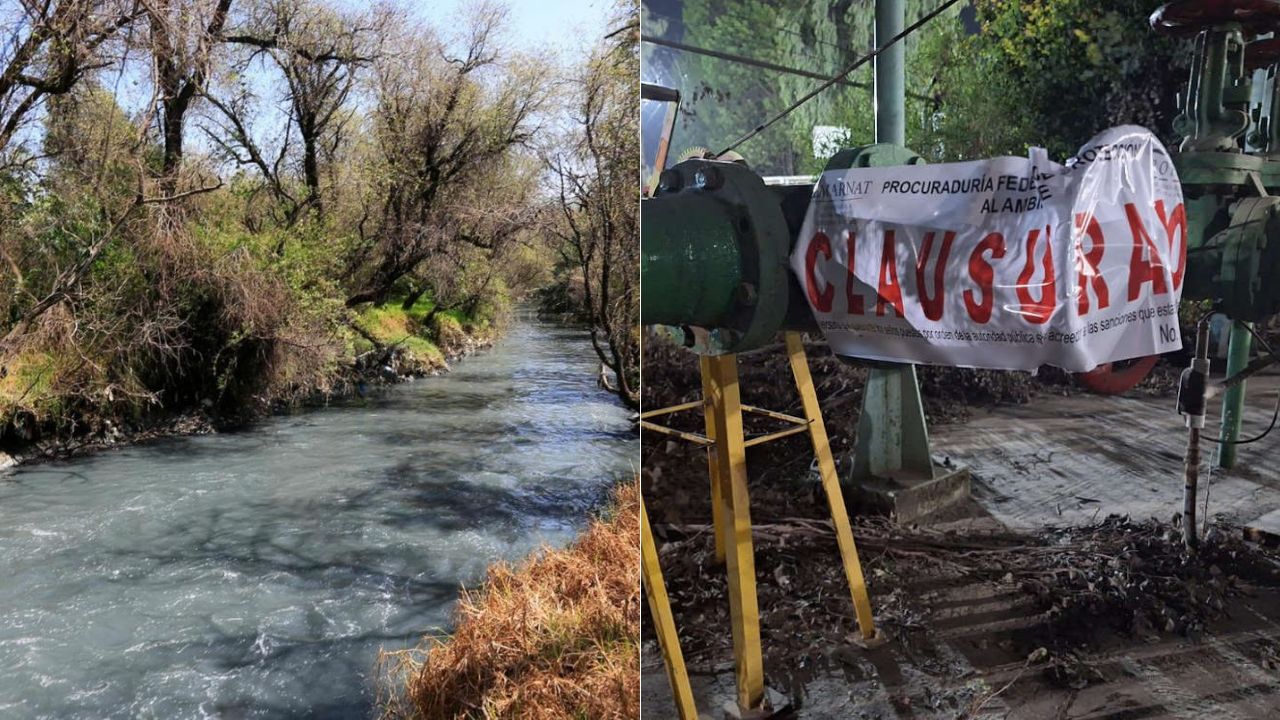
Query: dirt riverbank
{"points": [[362, 375]]}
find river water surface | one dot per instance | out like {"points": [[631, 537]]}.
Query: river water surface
{"points": [[257, 574]]}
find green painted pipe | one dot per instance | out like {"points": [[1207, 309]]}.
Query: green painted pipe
{"points": [[1233, 400], [689, 261], [890, 68]]}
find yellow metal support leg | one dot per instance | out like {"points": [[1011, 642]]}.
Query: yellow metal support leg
{"points": [[731, 467], [731, 512], [831, 484], [708, 414], [660, 608]]}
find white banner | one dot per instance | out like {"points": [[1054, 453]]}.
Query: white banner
{"points": [[1008, 263]]}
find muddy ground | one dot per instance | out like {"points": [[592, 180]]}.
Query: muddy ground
{"points": [[1107, 621], [1103, 621]]}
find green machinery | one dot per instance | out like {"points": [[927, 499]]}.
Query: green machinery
{"points": [[716, 237], [1229, 163]]}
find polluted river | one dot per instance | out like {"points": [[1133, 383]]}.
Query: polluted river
{"points": [[257, 574]]}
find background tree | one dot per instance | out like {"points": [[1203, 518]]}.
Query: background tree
{"points": [[318, 52], [182, 37], [362, 192], [986, 77], [492, 245], [1051, 74], [53, 45], [598, 197], [442, 121]]}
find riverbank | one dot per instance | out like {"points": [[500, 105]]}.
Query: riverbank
{"points": [[387, 345], [555, 637]]}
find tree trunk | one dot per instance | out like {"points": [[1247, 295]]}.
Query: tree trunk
{"points": [[172, 119], [361, 297], [412, 298], [311, 172]]}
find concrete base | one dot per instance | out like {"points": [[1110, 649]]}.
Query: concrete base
{"points": [[906, 498], [1264, 530], [775, 703]]}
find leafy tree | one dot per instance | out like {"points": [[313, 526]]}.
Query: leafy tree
{"points": [[1052, 74], [143, 267], [53, 46], [438, 128], [598, 203], [182, 37], [318, 52]]}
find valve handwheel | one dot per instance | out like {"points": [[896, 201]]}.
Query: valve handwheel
{"points": [[1114, 378], [1188, 17]]}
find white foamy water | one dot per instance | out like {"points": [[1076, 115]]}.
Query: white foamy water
{"points": [[256, 574]]}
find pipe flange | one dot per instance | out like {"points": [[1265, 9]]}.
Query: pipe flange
{"points": [[753, 312]]}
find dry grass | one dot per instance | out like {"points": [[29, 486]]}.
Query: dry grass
{"points": [[554, 637]]}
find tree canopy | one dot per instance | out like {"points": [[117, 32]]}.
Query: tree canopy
{"points": [[986, 77], [217, 202]]}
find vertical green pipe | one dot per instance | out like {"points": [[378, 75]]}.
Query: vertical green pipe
{"points": [[893, 438], [1209, 110], [891, 81], [1233, 399]]}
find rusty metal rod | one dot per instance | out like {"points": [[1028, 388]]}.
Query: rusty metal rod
{"points": [[1192, 396], [1191, 477]]}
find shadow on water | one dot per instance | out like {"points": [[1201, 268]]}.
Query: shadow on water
{"points": [[257, 574], [457, 503]]}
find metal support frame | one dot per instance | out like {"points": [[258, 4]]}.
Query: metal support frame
{"points": [[731, 516], [713, 468], [660, 608], [831, 486], [735, 516]]}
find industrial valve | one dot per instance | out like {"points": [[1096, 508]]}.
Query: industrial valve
{"points": [[1231, 218], [1229, 167]]}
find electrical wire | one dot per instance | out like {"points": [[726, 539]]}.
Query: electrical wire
{"points": [[749, 61], [1219, 444], [856, 64], [1275, 415], [1261, 341], [1208, 486], [1271, 426], [764, 64], [725, 11]]}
